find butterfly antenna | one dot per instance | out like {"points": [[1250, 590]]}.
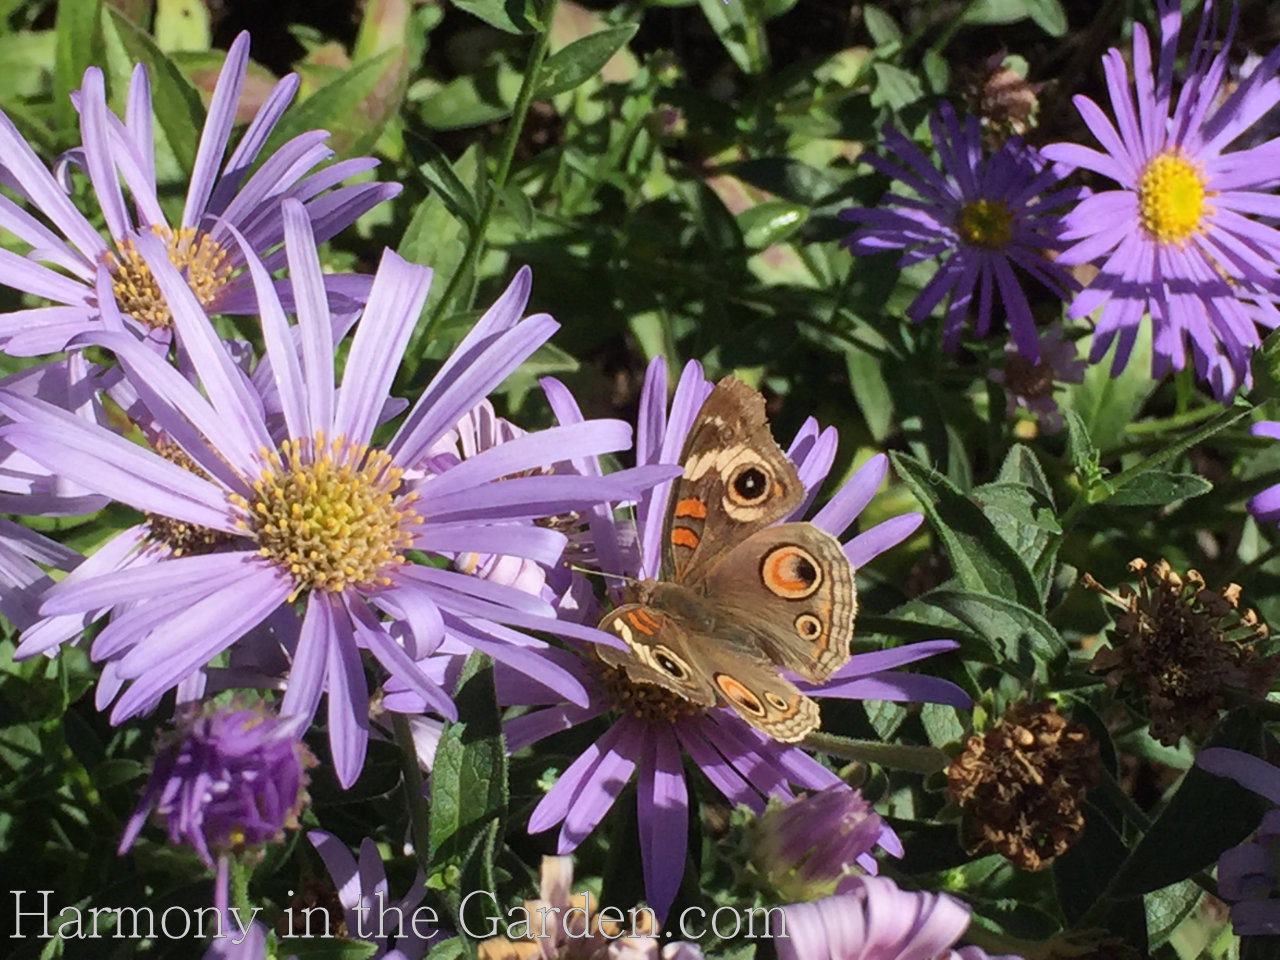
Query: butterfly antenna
{"points": [[590, 572]]}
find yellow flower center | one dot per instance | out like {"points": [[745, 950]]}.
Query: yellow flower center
{"points": [[328, 513], [985, 223], [202, 262], [1171, 198]]}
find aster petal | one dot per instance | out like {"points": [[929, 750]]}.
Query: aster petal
{"points": [[529, 498], [520, 653], [864, 664], [522, 540], [348, 711], [134, 583], [869, 544], [216, 130], [662, 809], [251, 142], [311, 658], [1250, 772], [852, 497], [901, 688], [531, 727], [314, 322], [373, 636], [594, 797], [719, 771], [395, 303], [620, 739]]}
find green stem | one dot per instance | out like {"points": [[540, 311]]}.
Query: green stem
{"points": [[239, 893], [412, 772], [506, 156], [897, 756]]}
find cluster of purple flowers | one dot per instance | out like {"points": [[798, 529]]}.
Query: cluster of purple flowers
{"points": [[1177, 239], [285, 510]]}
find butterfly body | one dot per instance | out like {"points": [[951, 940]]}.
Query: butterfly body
{"points": [[740, 594]]}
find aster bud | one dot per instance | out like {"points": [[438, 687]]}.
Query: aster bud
{"points": [[804, 848], [228, 779]]}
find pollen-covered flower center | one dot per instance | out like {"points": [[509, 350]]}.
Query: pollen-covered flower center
{"points": [[327, 511], [1171, 198], [202, 262], [985, 223], [183, 538], [647, 701]]}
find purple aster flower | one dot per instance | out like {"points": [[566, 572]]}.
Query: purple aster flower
{"points": [[402, 929], [1030, 386], [806, 847], [650, 730], [249, 523], [982, 215], [876, 920], [77, 270], [228, 780], [1175, 238], [1248, 877]]}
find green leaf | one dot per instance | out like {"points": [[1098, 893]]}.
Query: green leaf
{"points": [[1048, 16], [1184, 840], [1081, 873], [1109, 404], [895, 87], [1010, 629], [76, 30], [328, 948], [1167, 908], [1159, 487], [770, 221], [468, 783], [181, 25], [996, 11], [434, 166], [174, 101], [354, 107], [787, 178], [472, 99], [509, 16], [518, 205], [983, 560], [870, 390], [740, 37], [1080, 446], [882, 27], [578, 62], [437, 237]]}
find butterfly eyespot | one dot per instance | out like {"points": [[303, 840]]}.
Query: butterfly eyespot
{"points": [[776, 701], [791, 572], [670, 665], [748, 485], [739, 696], [808, 626]]}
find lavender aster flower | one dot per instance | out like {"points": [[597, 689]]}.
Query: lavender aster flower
{"points": [[1030, 386], [876, 920], [23, 556], [806, 847], [1175, 239], [252, 523], [78, 270], [1248, 877], [227, 781], [650, 729], [981, 215]]}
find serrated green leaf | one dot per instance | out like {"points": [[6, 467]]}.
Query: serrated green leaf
{"points": [[174, 101], [509, 16], [578, 62], [1010, 629], [1080, 446], [982, 559], [469, 779], [1159, 487]]}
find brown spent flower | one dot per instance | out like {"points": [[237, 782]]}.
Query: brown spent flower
{"points": [[1005, 102], [1178, 647], [1021, 785]]}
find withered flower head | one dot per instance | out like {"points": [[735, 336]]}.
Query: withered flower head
{"points": [[1021, 785], [1004, 101], [1178, 646]]}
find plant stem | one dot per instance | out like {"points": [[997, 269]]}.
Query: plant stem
{"points": [[418, 813], [894, 755], [506, 155]]}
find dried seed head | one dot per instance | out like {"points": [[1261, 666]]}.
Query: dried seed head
{"points": [[1005, 102], [1020, 786], [1178, 647]]}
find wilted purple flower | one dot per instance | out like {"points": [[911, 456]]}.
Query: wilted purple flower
{"points": [[227, 780], [981, 215], [650, 730], [403, 929], [1176, 239], [1029, 386], [1248, 877], [874, 919], [804, 848], [251, 522], [78, 271]]}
